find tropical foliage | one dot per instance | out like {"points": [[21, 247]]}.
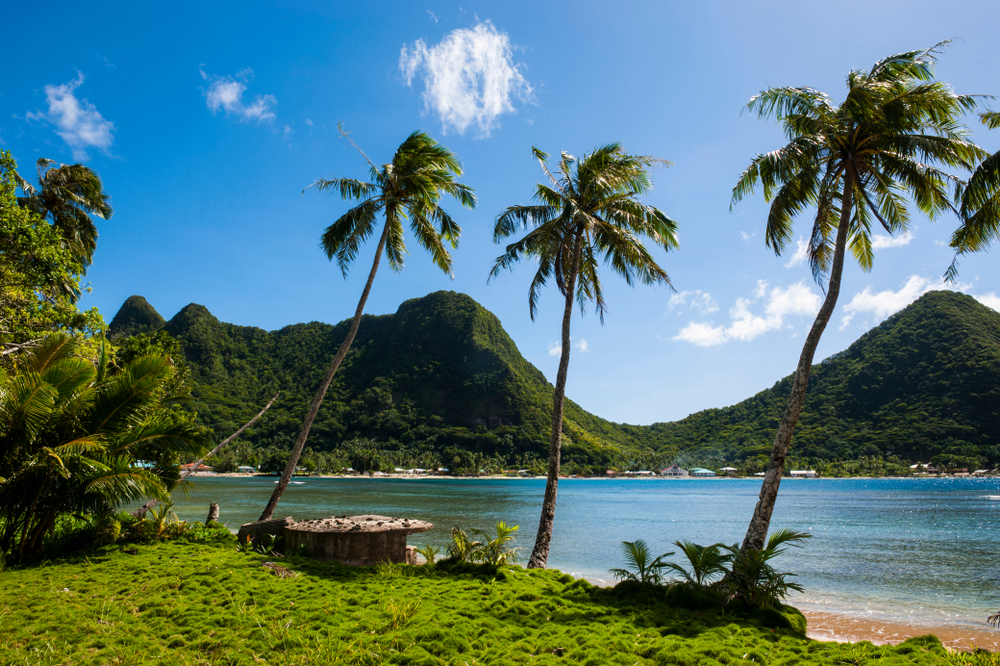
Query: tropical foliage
{"points": [[68, 195], [730, 574], [751, 579], [39, 274], [643, 568], [83, 436], [587, 213], [408, 188], [895, 139], [495, 551], [980, 207]]}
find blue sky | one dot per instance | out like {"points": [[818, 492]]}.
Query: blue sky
{"points": [[207, 121]]}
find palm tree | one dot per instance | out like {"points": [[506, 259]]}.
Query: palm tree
{"points": [[855, 163], [409, 187], [980, 208], [68, 195], [589, 211], [72, 431]]}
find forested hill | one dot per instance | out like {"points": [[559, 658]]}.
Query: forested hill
{"points": [[924, 383], [439, 372]]}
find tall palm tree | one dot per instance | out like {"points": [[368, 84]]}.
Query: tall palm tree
{"points": [[589, 212], [409, 187], [856, 163], [980, 208], [68, 195]]}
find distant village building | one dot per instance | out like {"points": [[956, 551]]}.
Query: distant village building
{"points": [[804, 473], [729, 471], [246, 469], [673, 470], [701, 471], [200, 469]]}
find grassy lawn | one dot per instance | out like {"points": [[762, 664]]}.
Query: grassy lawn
{"points": [[206, 603]]}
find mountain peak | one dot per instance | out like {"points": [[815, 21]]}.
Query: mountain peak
{"points": [[135, 316]]}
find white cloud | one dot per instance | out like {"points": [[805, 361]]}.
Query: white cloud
{"points": [[226, 93], [780, 303], [885, 303], [702, 334], [555, 349], [469, 78], [990, 300], [941, 243], [309, 122], [747, 236], [701, 301], [801, 254], [432, 15], [77, 121], [880, 241]]}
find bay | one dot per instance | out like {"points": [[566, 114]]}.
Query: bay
{"points": [[921, 552]]}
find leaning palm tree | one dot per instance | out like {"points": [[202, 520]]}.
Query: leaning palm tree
{"points": [[68, 195], [409, 187], [892, 136], [980, 208], [590, 211]]}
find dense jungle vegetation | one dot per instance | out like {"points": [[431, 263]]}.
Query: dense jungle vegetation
{"points": [[440, 382]]}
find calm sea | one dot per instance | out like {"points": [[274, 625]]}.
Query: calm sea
{"points": [[914, 551]]}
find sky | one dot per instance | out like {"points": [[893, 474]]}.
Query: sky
{"points": [[208, 121]]}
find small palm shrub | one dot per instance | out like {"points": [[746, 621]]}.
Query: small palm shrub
{"points": [[496, 551], [643, 568], [752, 581], [429, 553], [707, 564]]}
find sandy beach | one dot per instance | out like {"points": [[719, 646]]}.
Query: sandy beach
{"points": [[824, 626]]}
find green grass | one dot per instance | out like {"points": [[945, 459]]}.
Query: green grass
{"points": [[205, 603]]}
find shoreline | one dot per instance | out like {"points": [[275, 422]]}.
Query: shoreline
{"points": [[831, 626], [501, 477]]}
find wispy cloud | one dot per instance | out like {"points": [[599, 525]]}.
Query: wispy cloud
{"points": [[470, 78], [699, 300], [226, 93], [77, 121], [747, 236], [881, 241], [779, 304], [884, 303], [801, 254], [555, 348], [432, 15], [990, 300]]}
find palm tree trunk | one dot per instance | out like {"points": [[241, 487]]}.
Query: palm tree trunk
{"points": [[540, 553], [761, 521], [321, 392]]}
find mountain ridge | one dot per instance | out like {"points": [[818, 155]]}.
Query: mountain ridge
{"points": [[442, 372]]}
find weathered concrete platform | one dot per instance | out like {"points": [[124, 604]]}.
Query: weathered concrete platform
{"points": [[357, 541]]}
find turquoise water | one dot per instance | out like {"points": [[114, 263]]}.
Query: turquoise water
{"points": [[916, 551]]}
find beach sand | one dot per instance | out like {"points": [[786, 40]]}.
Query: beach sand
{"points": [[825, 626]]}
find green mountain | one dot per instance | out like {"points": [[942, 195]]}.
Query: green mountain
{"points": [[924, 383], [135, 316], [441, 373]]}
